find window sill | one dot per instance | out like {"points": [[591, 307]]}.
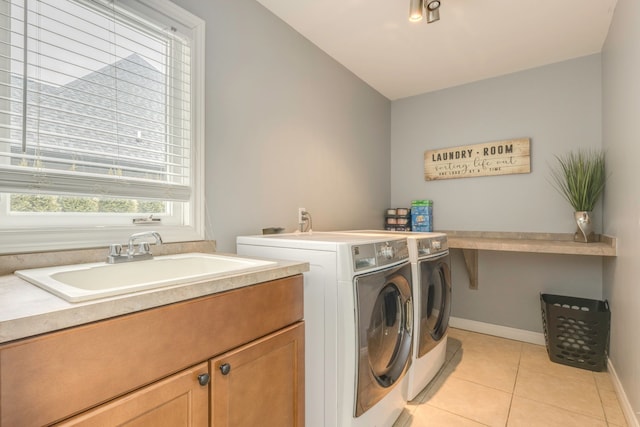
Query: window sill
{"points": [[20, 241]]}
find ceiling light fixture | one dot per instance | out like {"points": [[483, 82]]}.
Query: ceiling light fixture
{"points": [[433, 11], [415, 10], [418, 8]]}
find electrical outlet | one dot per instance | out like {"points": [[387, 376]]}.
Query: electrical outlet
{"points": [[301, 212]]}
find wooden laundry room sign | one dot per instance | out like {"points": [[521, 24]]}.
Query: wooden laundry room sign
{"points": [[490, 158]]}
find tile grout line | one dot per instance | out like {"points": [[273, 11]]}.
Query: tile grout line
{"points": [[600, 388], [600, 398], [513, 390], [604, 411], [461, 348], [533, 400], [566, 409], [571, 410], [441, 372], [457, 415]]}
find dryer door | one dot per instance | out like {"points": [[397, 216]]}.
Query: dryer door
{"points": [[435, 302], [384, 332]]}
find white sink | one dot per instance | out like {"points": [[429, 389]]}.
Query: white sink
{"points": [[82, 282]]}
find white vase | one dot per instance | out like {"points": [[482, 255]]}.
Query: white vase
{"points": [[584, 233]]}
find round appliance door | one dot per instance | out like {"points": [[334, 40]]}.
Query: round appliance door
{"points": [[384, 331], [435, 301]]}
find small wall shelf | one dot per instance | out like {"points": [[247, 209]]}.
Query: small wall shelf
{"points": [[548, 243]]}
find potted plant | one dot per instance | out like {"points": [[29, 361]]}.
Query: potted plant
{"points": [[580, 178]]}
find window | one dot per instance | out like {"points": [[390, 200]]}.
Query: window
{"points": [[100, 121]]}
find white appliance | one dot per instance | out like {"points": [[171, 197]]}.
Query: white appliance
{"points": [[358, 322], [431, 274]]}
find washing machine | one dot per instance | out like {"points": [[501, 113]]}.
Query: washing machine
{"points": [[431, 274], [358, 312]]}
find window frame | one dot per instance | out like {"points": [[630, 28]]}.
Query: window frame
{"points": [[41, 236]]}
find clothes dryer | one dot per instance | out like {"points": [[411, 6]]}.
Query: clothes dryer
{"points": [[430, 261], [431, 274], [358, 322]]}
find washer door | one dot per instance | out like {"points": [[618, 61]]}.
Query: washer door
{"points": [[435, 302], [384, 331]]}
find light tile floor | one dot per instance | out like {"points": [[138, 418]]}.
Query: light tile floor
{"points": [[491, 381]]}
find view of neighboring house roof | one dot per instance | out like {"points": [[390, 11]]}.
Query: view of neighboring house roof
{"points": [[118, 111]]}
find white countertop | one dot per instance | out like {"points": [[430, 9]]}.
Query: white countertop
{"points": [[27, 310]]}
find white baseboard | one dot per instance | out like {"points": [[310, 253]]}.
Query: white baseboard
{"points": [[538, 338], [627, 409], [497, 330]]}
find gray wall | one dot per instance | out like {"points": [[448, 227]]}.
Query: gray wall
{"points": [[559, 107], [287, 127], [621, 135]]}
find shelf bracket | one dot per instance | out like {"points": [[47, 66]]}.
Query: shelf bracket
{"points": [[471, 262]]}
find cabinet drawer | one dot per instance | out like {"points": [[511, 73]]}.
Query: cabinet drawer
{"points": [[51, 377]]}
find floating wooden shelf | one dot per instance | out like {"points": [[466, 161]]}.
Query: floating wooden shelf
{"points": [[547, 243]]}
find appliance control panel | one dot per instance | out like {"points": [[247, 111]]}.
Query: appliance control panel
{"points": [[432, 245], [379, 254]]}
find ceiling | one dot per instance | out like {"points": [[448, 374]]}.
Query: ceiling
{"points": [[474, 39]]}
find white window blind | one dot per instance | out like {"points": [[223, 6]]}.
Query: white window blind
{"points": [[95, 100]]}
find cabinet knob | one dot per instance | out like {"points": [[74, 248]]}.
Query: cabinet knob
{"points": [[203, 379], [225, 368]]}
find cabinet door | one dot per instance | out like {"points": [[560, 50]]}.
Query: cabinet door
{"points": [[176, 401], [262, 383]]}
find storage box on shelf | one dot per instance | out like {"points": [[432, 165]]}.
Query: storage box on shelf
{"points": [[397, 219], [422, 215]]}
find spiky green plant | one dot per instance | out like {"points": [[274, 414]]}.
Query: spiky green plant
{"points": [[580, 178]]}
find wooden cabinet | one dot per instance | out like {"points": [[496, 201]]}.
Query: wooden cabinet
{"points": [[177, 401], [112, 366], [260, 384]]}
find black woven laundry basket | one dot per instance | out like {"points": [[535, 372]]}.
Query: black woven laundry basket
{"points": [[576, 330]]}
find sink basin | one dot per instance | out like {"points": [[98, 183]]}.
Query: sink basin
{"points": [[83, 282]]}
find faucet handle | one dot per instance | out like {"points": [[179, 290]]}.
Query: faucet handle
{"points": [[115, 249], [144, 248]]}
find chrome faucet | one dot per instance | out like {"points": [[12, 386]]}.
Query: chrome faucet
{"points": [[140, 253]]}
